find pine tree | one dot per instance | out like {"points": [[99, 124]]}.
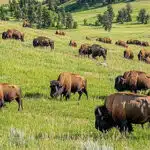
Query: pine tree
{"points": [[39, 16], [75, 25], [69, 21], [143, 17], [17, 12], [111, 12], [107, 21], [3, 13], [46, 18]]}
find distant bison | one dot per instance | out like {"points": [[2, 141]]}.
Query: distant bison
{"points": [[13, 34], [97, 50], [121, 110], [132, 81], [72, 43], [8, 93], [104, 40], [137, 42], [60, 33], [43, 41], [84, 50], [121, 43], [128, 54], [26, 24], [67, 83], [143, 54]]}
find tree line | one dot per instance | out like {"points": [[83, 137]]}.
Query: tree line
{"points": [[124, 15], [42, 15]]}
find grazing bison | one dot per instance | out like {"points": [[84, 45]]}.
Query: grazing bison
{"points": [[84, 50], [67, 83], [9, 93], [143, 54], [26, 24], [121, 43], [104, 40], [145, 44], [137, 42], [121, 110], [60, 33], [72, 43], [128, 54], [43, 41], [97, 50], [13, 34], [132, 81]]}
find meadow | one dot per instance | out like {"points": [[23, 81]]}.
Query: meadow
{"points": [[47, 123]]}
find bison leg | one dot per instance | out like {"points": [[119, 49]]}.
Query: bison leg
{"points": [[86, 93], [67, 95], [2, 103], [19, 103], [80, 94], [125, 126]]}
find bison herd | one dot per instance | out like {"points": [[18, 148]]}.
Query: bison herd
{"points": [[120, 110]]}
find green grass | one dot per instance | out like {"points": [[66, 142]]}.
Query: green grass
{"points": [[46, 123]]}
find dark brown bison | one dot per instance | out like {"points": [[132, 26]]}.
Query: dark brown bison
{"points": [[145, 44], [132, 81], [121, 43], [84, 50], [72, 43], [143, 54], [43, 41], [9, 93], [67, 83], [13, 34], [60, 33], [128, 54], [121, 110], [26, 24], [97, 50]]}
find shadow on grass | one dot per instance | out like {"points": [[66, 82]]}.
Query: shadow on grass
{"points": [[35, 95], [97, 97]]}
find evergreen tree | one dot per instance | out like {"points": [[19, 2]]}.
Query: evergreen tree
{"points": [[75, 25], [143, 17], [39, 16], [69, 21], [46, 18], [107, 21], [51, 5], [3, 13], [17, 12], [31, 14], [111, 12]]}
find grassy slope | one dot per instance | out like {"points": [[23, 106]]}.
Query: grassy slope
{"points": [[50, 124]]}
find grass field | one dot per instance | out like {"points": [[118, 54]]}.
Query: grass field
{"points": [[46, 123]]}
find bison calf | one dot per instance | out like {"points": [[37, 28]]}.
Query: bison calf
{"points": [[67, 83], [121, 110], [9, 93]]}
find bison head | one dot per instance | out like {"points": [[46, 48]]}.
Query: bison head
{"points": [[56, 88], [4, 35], [103, 120], [35, 42], [120, 83]]}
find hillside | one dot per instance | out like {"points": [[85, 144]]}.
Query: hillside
{"points": [[47, 123]]}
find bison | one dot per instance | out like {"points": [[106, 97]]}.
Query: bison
{"points": [[26, 24], [13, 34], [121, 110], [143, 54], [43, 41], [8, 93], [104, 40], [60, 33], [72, 43], [97, 50], [67, 83], [84, 50], [128, 54], [132, 81], [121, 43]]}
